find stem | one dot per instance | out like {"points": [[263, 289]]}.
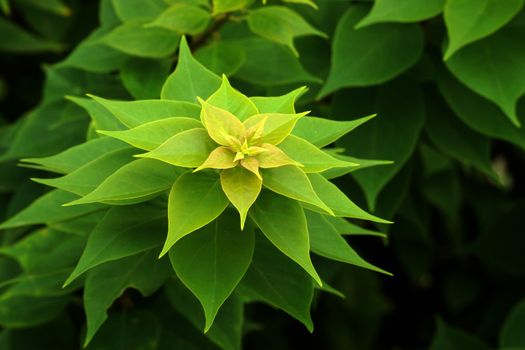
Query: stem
{"points": [[201, 39]]}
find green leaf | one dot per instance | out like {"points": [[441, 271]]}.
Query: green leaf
{"points": [[455, 139], [151, 135], [325, 240], [133, 38], [283, 222], [89, 176], [122, 232], [479, 113], [187, 149], [242, 188], [382, 138], [321, 132], [312, 158], [280, 24], [131, 10], [278, 281], [292, 182], [134, 182], [270, 64], [223, 6], [226, 331], [279, 104], [447, 337], [93, 56], [402, 11], [512, 330], [73, 158], [470, 20], [17, 40], [190, 78], [494, 68], [231, 100], [221, 57], [144, 77], [107, 282], [135, 113], [381, 52], [183, 18], [202, 193], [212, 261], [276, 127], [130, 329], [337, 201], [101, 118], [18, 311], [222, 126], [344, 227], [48, 209]]}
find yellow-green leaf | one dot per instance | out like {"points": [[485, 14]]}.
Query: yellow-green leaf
{"points": [[277, 126], [235, 102], [274, 157], [222, 126], [242, 188], [219, 158], [187, 149]]}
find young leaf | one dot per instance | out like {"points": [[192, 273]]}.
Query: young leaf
{"points": [[326, 241], [122, 232], [199, 192], [151, 135], [107, 282], [471, 20], [231, 100], [279, 104], [89, 176], [212, 261], [188, 149], [134, 39], [277, 126], [313, 159], [278, 281], [48, 209], [494, 68], [134, 182], [183, 18], [242, 188], [274, 157], [283, 222], [322, 132], [402, 11], [382, 52], [220, 158], [190, 79], [135, 113], [338, 201], [292, 182], [221, 125], [280, 24]]}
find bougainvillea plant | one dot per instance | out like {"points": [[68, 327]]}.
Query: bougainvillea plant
{"points": [[200, 149]]}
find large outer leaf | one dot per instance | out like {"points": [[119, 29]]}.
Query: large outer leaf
{"points": [[230, 99], [200, 193], [122, 232], [402, 11], [494, 68], [382, 137], [107, 282], [190, 79], [275, 279], [447, 337], [377, 54], [135, 182], [135, 113], [212, 261], [471, 20], [512, 331], [283, 222], [149, 136], [292, 182]]}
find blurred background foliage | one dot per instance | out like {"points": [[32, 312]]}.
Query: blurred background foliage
{"points": [[446, 79]]}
